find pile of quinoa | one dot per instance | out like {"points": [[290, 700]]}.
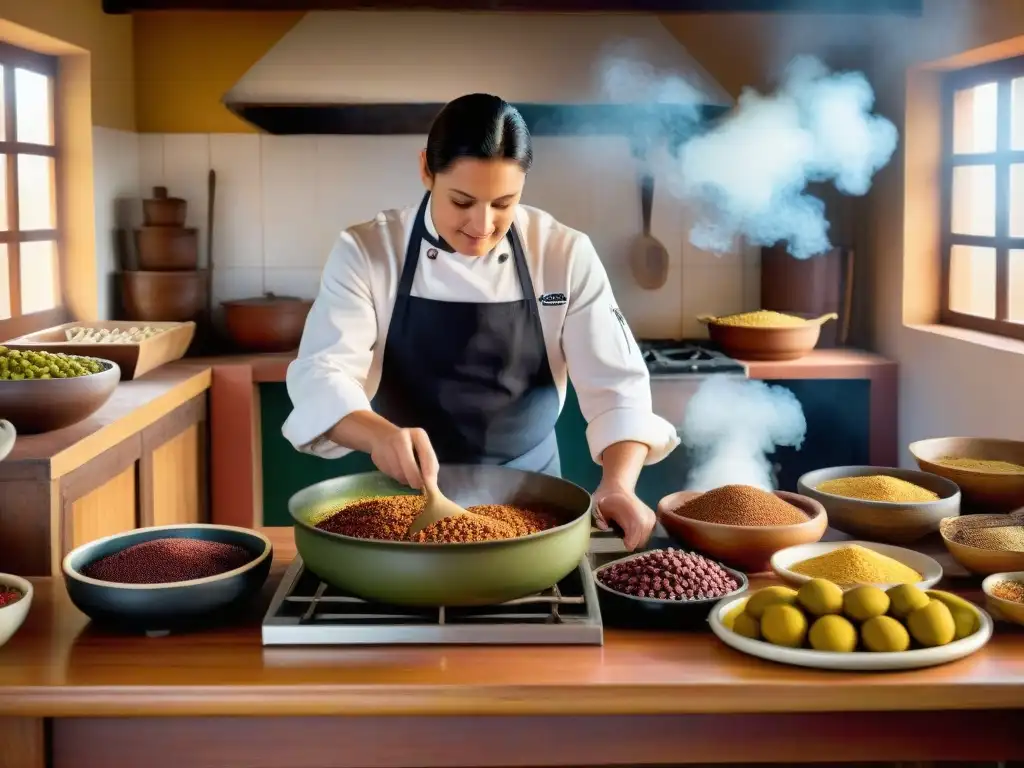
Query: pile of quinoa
{"points": [[741, 505], [388, 518]]}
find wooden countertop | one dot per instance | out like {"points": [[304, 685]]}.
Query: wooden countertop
{"points": [[60, 665], [133, 406]]}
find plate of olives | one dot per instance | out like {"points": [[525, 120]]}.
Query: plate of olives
{"points": [[865, 628]]}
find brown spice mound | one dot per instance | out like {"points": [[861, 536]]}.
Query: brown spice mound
{"points": [[1009, 590], [741, 505], [389, 517], [161, 561]]}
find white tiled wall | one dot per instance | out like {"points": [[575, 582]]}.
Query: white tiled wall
{"points": [[281, 200]]}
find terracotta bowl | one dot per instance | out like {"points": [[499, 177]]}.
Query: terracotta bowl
{"points": [[164, 296], [266, 323], [982, 491], [747, 547], [982, 562], [43, 405], [999, 607], [885, 521], [164, 211], [766, 343]]}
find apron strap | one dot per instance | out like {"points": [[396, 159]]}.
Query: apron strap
{"points": [[412, 250]]}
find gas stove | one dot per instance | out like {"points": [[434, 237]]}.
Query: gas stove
{"points": [[671, 357], [306, 611]]}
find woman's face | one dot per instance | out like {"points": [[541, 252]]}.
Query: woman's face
{"points": [[472, 203]]}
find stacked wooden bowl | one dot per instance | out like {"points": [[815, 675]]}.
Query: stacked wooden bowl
{"points": [[167, 284]]}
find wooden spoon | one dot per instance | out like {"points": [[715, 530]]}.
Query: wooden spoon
{"points": [[439, 507], [648, 257]]}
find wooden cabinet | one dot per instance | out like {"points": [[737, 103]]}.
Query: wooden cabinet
{"points": [[142, 464]]}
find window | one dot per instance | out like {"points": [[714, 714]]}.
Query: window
{"points": [[29, 216], [983, 198]]}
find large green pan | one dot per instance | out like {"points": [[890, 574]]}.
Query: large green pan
{"points": [[479, 573]]}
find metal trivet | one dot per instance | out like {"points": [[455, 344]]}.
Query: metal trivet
{"points": [[306, 611]]}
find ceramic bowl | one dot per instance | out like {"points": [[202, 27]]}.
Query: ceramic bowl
{"points": [[13, 616], [764, 344], [670, 611], [982, 491], [892, 522], [158, 608], [784, 560], [34, 406], [982, 562], [747, 547], [1000, 607]]}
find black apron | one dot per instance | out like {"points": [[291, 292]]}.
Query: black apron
{"points": [[475, 377]]}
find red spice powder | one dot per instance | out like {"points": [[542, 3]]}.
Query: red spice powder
{"points": [[160, 561], [9, 596]]}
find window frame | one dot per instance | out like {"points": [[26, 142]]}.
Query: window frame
{"points": [[11, 58], [1003, 72]]}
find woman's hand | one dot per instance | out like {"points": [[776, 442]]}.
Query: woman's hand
{"points": [[406, 455], [621, 506], [403, 454]]}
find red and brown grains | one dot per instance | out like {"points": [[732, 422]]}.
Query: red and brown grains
{"points": [[741, 505], [161, 561], [669, 574], [1009, 590], [9, 596], [389, 517]]}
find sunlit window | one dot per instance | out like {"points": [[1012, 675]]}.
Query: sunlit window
{"points": [[29, 228]]}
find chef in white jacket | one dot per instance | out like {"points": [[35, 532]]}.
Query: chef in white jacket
{"points": [[447, 331]]}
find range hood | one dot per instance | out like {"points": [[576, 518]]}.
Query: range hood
{"points": [[666, 121], [376, 73], [896, 7]]}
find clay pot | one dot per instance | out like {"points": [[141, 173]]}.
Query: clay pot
{"points": [[164, 296], [266, 323], [164, 211], [167, 248]]}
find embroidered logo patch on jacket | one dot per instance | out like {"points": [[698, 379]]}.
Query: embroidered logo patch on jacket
{"points": [[553, 299]]}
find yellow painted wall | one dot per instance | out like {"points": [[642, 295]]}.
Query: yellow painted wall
{"points": [[185, 62], [108, 40]]}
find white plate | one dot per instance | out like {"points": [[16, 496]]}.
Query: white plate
{"points": [[782, 560], [858, 661]]}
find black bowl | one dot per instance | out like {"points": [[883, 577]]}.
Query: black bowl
{"points": [[654, 613], [176, 605]]}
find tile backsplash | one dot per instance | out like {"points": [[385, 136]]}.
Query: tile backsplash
{"points": [[281, 201]]}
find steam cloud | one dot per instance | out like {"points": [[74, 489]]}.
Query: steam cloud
{"points": [[732, 424], [747, 175]]}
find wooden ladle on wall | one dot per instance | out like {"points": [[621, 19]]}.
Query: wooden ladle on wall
{"points": [[648, 257]]}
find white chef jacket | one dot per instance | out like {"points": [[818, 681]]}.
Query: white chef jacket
{"points": [[338, 367]]}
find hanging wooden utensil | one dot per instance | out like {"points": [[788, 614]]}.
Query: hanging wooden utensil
{"points": [[648, 257]]}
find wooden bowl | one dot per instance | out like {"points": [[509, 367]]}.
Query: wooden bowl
{"points": [[164, 211], [169, 606], [266, 323], [13, 616], [982, 491], [893, 522], [164, 296], [1000, 607], [167, 248], [752, 343], [784, 560], [747, 547], [133, 358], [43, 405], [982, 562]]}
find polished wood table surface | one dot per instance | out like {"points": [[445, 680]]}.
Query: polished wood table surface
{"points": [[89, 699], [58, 664]]}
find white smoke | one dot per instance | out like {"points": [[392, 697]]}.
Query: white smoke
{"points": [[748, 174], [732, 424]]}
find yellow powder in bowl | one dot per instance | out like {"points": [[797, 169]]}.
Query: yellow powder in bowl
{"points": [[981, 465], [763, 318], [877, 488], [852, 565]]}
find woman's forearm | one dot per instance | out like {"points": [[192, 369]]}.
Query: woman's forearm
{"points": [[621, 464], [360, 430]]}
